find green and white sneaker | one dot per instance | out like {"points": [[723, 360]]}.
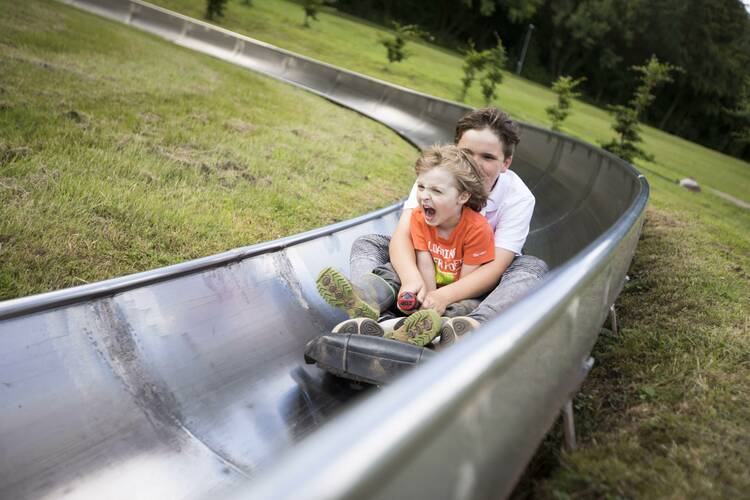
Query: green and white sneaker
{"points": [[418, 329], [339, 292], [359, 326], [454, 329]]}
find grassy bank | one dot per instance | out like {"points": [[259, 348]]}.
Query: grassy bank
{"points": [[346, 42], [120, 152], [665, 412]]}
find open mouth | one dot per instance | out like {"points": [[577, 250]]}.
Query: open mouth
{"points": [[429, 213]]}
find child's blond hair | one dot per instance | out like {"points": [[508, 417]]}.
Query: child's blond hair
{"points": [[459, 163]]}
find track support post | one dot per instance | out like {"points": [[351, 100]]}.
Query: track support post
{"points": [[613, 319], [569, 426]]}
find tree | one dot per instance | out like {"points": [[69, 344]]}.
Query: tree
{"points": [[474, 62], [626, 146], [564, 87], [215, 8], [396, 44], [493, 76], [653, 74], [311, 8], [490, 61]]}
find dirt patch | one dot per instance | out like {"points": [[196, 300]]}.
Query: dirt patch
{"points": [[44, 176], [10, 185], [150, 117], [200, 117], [238, 125], [185, 155], [79, 117], [8, 154]]}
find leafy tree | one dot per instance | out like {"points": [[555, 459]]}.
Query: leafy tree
{"points": [[493, 76], [215, 8], [626, 144], [652, 74], [474, 61], [565, 88], [490, 62], [396, 44], [311, 8]]}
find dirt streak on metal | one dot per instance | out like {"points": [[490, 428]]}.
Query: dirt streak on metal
{"points": [[150, 394]]}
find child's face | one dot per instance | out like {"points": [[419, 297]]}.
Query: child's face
{"points": [[439, 197], [487, 151]]}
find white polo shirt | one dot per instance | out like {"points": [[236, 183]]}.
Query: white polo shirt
{"points": [[509, 210]]}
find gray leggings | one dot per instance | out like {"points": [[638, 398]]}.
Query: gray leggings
{"points": [[370, 255]]}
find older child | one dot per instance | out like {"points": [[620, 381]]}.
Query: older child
{"points": [[491, 136], [449, 237]]}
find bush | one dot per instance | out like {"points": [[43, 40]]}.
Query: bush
{"points": [[628, 129], [395, 44], [215, 8], [653, 74], [491, 61], [311, 8], [564, 87]]}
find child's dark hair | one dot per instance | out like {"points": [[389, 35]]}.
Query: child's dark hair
{"points": [[459, 163], [499, 122]]}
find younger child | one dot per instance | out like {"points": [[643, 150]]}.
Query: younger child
{"points": [[451, 239]]}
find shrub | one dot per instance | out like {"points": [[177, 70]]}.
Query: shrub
{"points": [[565, 88]]}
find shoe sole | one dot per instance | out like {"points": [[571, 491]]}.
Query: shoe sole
{"points": [[336, 289], [418, 329], [360, 326], [454, 329]]}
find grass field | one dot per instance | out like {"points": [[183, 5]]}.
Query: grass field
{"points": [[136, 154], [120, 152], [438, 72]]}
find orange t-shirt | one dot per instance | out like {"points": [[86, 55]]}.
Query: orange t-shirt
{"points": [[471, 242]]}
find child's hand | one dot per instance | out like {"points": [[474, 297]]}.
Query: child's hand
{"points": [[416, 287], [434, 300], [407, 302]]}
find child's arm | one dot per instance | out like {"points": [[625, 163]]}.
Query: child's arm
{"points": [[483, 280], [402, 257], [426, 268], [467, 269]]}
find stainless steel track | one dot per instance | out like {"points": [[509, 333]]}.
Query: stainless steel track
{"points": [[185, 382]]}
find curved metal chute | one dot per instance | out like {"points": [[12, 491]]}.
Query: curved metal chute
{"points": [[186, 381]]}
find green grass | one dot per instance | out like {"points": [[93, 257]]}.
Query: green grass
{"points": [[345, 42], [136, 154], [120, 152], [666, 408]]}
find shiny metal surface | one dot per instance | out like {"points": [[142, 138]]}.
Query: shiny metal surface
{"points": [[185, 382]]}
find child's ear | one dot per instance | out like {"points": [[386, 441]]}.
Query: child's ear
{"points": [[464, 197]]}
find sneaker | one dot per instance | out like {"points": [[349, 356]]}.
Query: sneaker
{"points": [[339, 292], [359, 326], [418, 329], [454, 329]]}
